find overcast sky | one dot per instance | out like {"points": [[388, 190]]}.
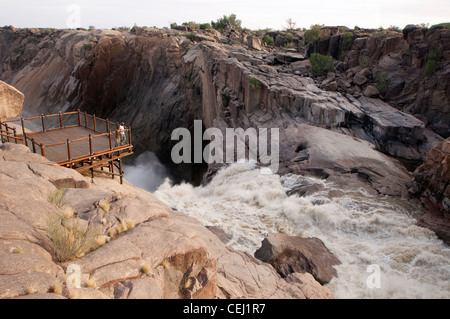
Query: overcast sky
{"points": [[253, 13]]}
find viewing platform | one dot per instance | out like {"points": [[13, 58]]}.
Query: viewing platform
{"points": [[76, 140]]}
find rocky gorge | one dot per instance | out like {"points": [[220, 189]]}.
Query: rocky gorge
{"points": [[143, 248], [353, 127]]}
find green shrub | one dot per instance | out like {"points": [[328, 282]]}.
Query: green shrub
{"points": [[192, 25], [268, 40], [445, 25], [227, 23], [321, 64], [254, 83], [191, 36], [290, 45], [123, 29], [346, 43], [433, 59], [312, 36], [225, 100], [394, 28], [288, 38], [205, 26], [431, 68], [382, 82]]}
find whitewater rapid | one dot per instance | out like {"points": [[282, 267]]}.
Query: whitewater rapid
{"points": [[359, 228]]}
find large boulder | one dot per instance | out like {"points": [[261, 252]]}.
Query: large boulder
{"points": [[395, 133], [291, 254], [11, 101], [254, 43]]}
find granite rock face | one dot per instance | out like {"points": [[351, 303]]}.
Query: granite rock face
{"points": [[158, 80], [410, 68]]}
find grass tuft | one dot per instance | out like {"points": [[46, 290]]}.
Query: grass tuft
{"points": [[31, 290], [57, 197], [166, 264], [103, 204], [146, 269], [100, 240], [90, 283], [18, 250], [68, 240], [130, 224], [69, 212], [122, 227], [57, 288]]}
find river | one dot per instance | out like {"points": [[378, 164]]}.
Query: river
{"points": [[361, 229]]}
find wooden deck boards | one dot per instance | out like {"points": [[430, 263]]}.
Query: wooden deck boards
{"points": [[59, 153], [61, 135]]}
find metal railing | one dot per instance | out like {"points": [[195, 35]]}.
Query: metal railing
{"points": [[8, 133], [103, 139]]}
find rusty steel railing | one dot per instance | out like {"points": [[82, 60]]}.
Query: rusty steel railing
{"points": [[100, 136]]}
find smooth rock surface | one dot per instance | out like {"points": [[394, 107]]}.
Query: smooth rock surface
{"points": [[11, 101]]}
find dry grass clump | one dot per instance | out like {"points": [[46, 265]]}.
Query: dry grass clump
{"points": [[31, 290], [68, 240], [18, 250], [112, 232], [69, 212], [100, 240], [103, 204], [130, 224], [57, 197], [122, 227], [146, 269], [90, 283], [57, 288], [166, 264]]}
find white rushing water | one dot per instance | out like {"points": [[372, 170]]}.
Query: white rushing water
{"points": [[146, 172], [359, 228]]}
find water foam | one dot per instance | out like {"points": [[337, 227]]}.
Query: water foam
{"points": [[146, 172], [359, 228]]}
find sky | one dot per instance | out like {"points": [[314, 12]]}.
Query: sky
{"points": [[254, 14]]}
